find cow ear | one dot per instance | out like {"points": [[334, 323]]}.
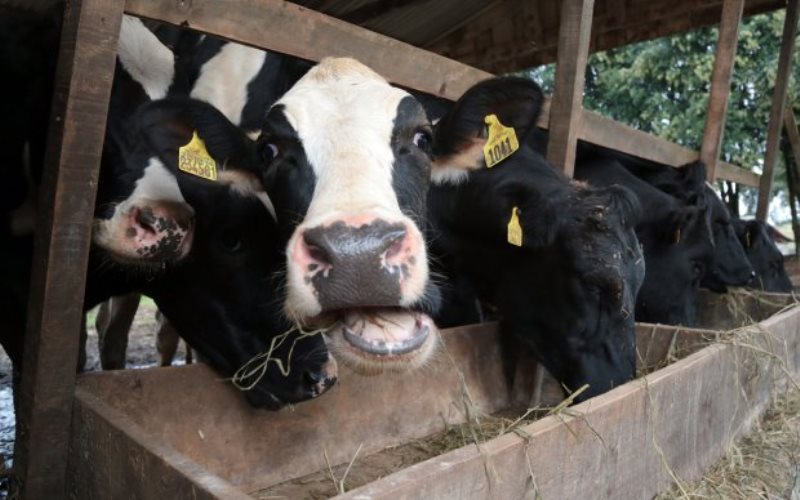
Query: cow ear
{"points": [[515, 101], [625, 204], [167, 124], [777, 236]]}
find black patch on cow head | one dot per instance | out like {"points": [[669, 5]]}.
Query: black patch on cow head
{"points": [[764, 256], [285, 170], [411, 170]]}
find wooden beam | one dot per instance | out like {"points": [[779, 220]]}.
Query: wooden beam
{"points": [[721, 85], [739, 175], [77, 128], [291, 29], [566, 108], [778, 105]]}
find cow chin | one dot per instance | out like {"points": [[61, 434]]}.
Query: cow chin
{"points": [[375, 340]]}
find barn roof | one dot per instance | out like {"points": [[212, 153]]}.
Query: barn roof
{"points": [[506, 35]]}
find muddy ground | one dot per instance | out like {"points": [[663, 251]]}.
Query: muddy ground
{"points": [[141, 354]]}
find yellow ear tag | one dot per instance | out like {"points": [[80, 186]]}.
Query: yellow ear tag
{"points": [[501, 144], [194, 159], [747, 238], [677, 236], [514, 228]]}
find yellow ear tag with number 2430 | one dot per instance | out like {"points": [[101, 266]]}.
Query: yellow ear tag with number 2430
{"points": [[514, 228], [193, 158], [501, 144]]}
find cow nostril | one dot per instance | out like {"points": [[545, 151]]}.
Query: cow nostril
{"points": [[145, 219], [395, 246], [318, 254], [313, 378]]}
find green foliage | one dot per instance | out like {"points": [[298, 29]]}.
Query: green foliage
{"points": [[661, 86]]}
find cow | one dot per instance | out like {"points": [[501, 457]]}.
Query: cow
{"points": [[730, 266], [346, 160], [764, 255], [676, 240], [567, 287]]}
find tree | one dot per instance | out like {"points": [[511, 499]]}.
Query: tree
{"points": [[661, 86]]}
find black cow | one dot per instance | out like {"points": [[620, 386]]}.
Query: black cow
{"points": [[677, 243], [567, 289], [730, 266], [766, 259]]}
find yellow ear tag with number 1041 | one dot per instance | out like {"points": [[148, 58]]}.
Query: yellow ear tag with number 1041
{"points": [[501, 144], [193, 158], [514, 228]]}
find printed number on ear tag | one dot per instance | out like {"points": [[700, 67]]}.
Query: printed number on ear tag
{"points": [[501, 144], [514, 228], [193, 158]]}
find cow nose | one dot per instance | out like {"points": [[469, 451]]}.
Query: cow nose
{"points": [[338, 244], [351, 263]]}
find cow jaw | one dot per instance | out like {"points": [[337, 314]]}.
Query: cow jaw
{"points": [[379, 339]]}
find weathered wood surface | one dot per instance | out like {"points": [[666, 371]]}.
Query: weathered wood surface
{"points": [[195, 425], [77, 125], [291, 29], [625, 444], [134, 464], [779, 93], [201, 417], [566, 106], [721, 85]]}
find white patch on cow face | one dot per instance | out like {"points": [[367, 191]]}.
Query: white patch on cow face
{"points": [[343, 113], [224, 78], [156, 186], [145, 58], [247, 184], [454, 169]]}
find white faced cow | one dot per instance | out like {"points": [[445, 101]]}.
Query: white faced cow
{"points": [[346, 159]]}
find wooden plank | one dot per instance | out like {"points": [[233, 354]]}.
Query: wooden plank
{"points": [[734, 173], [291, 29], [721, 85], [778, 105], [676, 421], [566, 107], [77, 127]]}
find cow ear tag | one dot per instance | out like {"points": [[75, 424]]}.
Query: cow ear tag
{"points": [[677, 236], [514, 228], [747, 238], [501, 144], [193, 158]]}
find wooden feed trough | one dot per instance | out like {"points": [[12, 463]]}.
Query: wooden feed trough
{"points": [[181, 432], [116, 442]]}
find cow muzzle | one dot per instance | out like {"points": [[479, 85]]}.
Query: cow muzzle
{"points": [[360, 278], [147, 232]]}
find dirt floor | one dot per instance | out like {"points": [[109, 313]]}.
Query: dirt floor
{"points": [[141, 354]]}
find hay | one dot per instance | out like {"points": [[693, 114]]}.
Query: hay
{"points": [[765, 464]]}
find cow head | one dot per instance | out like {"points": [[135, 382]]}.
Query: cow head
{"points": [[730, 266], [346, 159], [222, 296], [567, 289], [764, 255]]}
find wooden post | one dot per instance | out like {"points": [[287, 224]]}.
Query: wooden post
{"points": [[721, 85], [778, 104], [566, 108], [792, 166], [77, 128]]}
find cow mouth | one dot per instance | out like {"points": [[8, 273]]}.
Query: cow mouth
{"points": [[376, 339]]}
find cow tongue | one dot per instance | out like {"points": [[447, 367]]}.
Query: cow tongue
{"points": [[385, 332]]}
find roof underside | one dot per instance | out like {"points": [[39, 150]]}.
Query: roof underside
{"points": [[506, 35]]}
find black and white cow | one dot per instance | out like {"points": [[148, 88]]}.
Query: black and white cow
{"points": [[764, 255], [346, 159], [567, 289]]}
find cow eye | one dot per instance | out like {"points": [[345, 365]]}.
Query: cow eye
{"points": [[269, 152], [422, 140], [231, 244]]}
